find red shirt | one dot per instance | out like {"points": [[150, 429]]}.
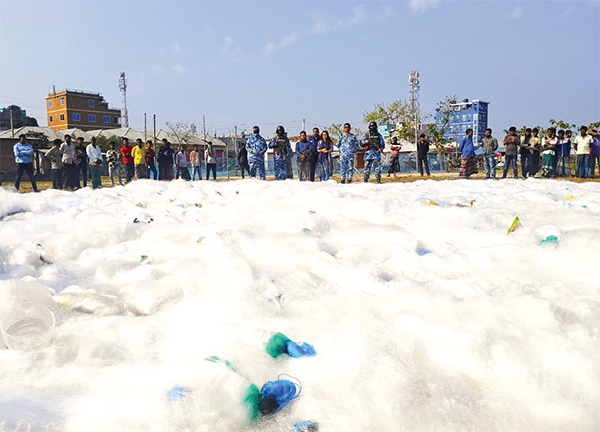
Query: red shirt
{"points": [[126, 152]]}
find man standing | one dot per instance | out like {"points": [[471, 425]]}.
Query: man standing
{"points": [[347, 143], [56, 163], [94, 155], [468, 165], [196, 162], [242, 159], [374, 144], [138, 153], [582, 145], [70, 174], [314, 154], [395, 157], [511, 145], [81, 160], [526, 153], [181, 165], [256, 147], [594, 154], [281, 149], [422, 151], [489, 144], [23, 157], [210, 156], [150, 165], [127, 160], [112, 157], [536, 148], [165, 160], [303, 156]]}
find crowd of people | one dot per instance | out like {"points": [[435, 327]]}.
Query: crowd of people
{"points": [[72, 162], [550, 154]]}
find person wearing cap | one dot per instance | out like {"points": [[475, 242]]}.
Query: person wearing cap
{"points": [[347, 143], [56, 164], [210, 156], [94, 155], [23, 157], [256, 147], [281, 149], [374, 144]]}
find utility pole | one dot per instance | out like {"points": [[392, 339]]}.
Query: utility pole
{"points": [[413, 80], [123, 87], [144, 128], [154, 143], [227, 147], [303, 124], [12, 127]]}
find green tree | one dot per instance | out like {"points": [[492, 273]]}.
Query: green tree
{"points": [[104, 142], [398, 113], [445, 108], [19, 120]]}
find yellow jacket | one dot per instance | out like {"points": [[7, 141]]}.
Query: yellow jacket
{"points": [[139, 155]]}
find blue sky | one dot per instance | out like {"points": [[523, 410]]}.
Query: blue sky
{"points": [[268, 63]]}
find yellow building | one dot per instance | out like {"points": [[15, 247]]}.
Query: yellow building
{"points": [[69, 109]]}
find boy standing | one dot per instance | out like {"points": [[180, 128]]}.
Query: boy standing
{"points": [[582, 145]]}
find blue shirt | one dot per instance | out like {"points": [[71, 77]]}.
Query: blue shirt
{"points": [[23, 153], [256, 144], [301, 147], [466, 147], [347, 145], [373, 154], [314, 142]]}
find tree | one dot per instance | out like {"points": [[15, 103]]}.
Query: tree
{"points": [[399, 113], [184, 133], [104, 142], [561, 124], [337, 129], [19, 120], [445, 108]]}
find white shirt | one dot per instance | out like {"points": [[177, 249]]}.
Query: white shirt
{"points": [[583, 144], [93, 153]]}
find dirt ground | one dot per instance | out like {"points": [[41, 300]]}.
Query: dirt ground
{"points": [[400, 178]]}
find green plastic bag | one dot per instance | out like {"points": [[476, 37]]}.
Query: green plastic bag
{"points": [[275, 343]]}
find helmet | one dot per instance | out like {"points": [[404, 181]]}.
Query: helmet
{"points": [[280, 130], [373, 125], [256, 130]]}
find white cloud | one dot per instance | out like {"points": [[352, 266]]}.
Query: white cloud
{"points": [[517, 13], [286, 40], [176, 47], [178, 69], [420, 6], [320, 25], [227, 44]]}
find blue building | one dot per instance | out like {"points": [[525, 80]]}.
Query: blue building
{"points": [[465, 115]]}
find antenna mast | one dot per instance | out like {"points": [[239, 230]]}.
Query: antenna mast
{"points": [[413, 80], [123, 87]]}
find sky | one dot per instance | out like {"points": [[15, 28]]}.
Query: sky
{"points": [[240, 63]]}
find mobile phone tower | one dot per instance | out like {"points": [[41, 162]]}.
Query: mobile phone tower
{"points": [[123, 87], [413, 80]]}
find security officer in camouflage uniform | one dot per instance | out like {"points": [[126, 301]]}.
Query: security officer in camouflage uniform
{"points": [[281, 149], [373, 143], [347, 143], [256, 147]]}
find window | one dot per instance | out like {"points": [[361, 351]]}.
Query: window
{"points": [[91, 118], [49, 104], [51, 119], [464, 127], [76, 117], [106, 119], [62, 117], [91, 103], [464, 117], [62, 101], [116, 120]]}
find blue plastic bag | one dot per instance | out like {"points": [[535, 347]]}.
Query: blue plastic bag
{"points": [[277, 394], [305, 426], [295, 350]]}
